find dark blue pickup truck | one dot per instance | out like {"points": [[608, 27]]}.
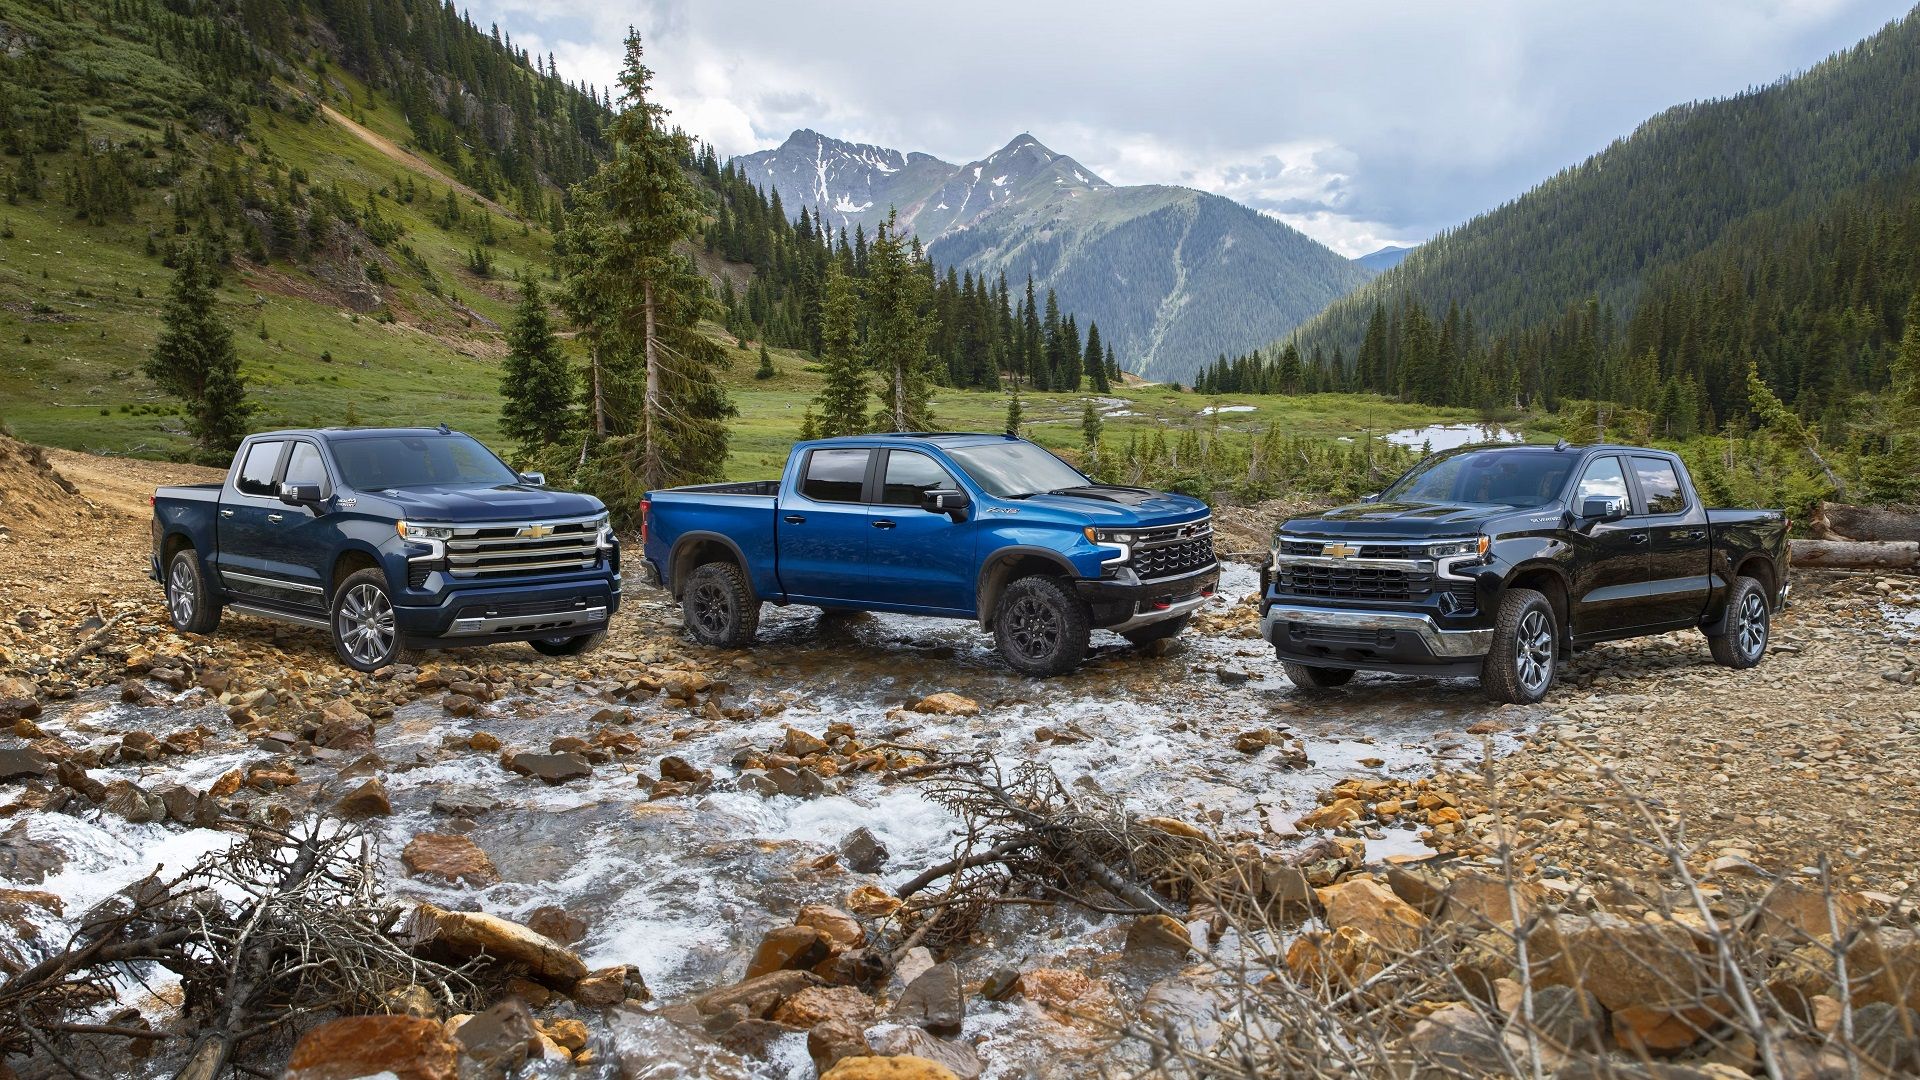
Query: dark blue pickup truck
{"points": [[390, 539], [952, 525]]}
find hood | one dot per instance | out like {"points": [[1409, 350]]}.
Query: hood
{"points": [[1397, 519], [1108, 506], [505, 502]]}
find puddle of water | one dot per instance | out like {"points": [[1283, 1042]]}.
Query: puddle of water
{"points": [[1449, 436], [1212, 409]]}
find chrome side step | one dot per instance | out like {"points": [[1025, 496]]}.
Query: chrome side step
{"points": [[313, 621]]}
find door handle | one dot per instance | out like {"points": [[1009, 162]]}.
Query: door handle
{"points": [[795, 519], [1638, 538], [1697, 534], [276, 518], [226, 513], [882, 523]]}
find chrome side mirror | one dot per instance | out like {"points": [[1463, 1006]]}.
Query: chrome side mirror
{"points": [[534, 479]]}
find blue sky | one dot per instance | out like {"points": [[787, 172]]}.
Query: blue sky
{"points": [[1361, 123]]}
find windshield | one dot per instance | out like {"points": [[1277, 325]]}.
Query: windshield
{"points": [[1517, 478], [1014, 470], [405, 461]]}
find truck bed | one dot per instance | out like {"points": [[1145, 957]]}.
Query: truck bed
{"points": [[768, 488], [741, 514]]}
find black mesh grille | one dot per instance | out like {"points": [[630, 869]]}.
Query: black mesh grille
{"points": [[511, 609], [1336, 635], [417, 574], [1172, 560], [1352, 582]]}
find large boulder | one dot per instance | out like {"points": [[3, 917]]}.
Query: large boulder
{"points": [[1621, 961], [406, 1047], [469, 934], [818, 1004], [888, 1068], [756, 997], [788, 947], [1367, 906], [937, 1000], [550, 768], [897, 1041], [450, 858]]}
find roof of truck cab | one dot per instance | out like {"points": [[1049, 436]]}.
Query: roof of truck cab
{"points": [[335, 433], [918, 438]]}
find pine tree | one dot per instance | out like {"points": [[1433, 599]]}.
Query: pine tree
{"points": [[1013, 411], [536, 382], [765, 370], [195, 361], [842, 401], [1095, 363], [898, 327]]}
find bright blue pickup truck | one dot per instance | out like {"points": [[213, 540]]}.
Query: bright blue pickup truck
{"points": [[951, 525], [390, 539]]}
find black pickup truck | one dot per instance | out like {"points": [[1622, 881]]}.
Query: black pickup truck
{"points": [[1497, 561]]}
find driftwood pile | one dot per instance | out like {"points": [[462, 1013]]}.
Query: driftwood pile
{"points": [[1861, 538]]}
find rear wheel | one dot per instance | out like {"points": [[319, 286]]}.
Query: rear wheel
{"points": [[1308, 677], [366, 632], [1742, 640], [568, 646], [191, 606], [1041, 628], [1160, 631], [1520, 666], [718, 606]]}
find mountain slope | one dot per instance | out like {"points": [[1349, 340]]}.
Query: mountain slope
{"points": [[1173, 276], [1385, 259], [1646, 202]]}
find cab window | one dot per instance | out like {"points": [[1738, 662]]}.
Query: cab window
{"points": [[1602, 480], [256, 469], [835, 475], [910, 476], [304, 466], [1659, 485]]}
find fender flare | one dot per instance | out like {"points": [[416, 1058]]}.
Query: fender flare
{"points": [[677, 580], [986, 592]]}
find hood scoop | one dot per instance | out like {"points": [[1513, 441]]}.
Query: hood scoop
{"points": [[1113, 493]]}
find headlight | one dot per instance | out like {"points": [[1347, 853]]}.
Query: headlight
{"points": [[410, 531], [1108, 536], [1449, 548]]}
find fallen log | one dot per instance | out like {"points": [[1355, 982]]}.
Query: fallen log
{"points": [[1839, 521], [1856, 555]]}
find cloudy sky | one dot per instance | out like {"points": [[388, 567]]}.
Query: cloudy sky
{"points": [[1362, 123]]}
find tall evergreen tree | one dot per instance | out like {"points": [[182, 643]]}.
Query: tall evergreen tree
{"points": [[898, 292], [842, 401], [536, 382], [1094, 364], [195, 361]]}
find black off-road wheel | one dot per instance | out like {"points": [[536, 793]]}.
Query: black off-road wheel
{"points": [[1164, 630], [1041, 627], [366, 631], [1742, 640], [191, 606], [1520, 666], [569, 646], [1309, 677], [718, 606]]}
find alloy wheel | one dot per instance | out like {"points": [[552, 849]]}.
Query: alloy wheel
{"points": [[712, 608], [365, 624], [180, 592], [1034, 628], [1533, 651], [1753, 625]]}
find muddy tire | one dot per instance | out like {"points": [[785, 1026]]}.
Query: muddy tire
{"points": [[1308, 677], [569, 646], [1163, 630], [1041, 627], [1742, 640], [191, 606], [366, 630], [1525, 655], [718, 606]]}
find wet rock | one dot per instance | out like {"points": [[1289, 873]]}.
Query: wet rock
{"points": [[459, 705], [1344, 957], [788, 947], [677, 768], [683, 685], [133, 802], [22, 912], [1232, 677], [500, 1039], [888, 1068], [343, 727], [557, 923], [901, 1041], [1158, 935], [1334, 815], [356, 1046], [182, 804], [610, 986], [1365, 905], [367, 800], [832, 1041], [23, 763], [843, 931], [550, 768], [863, 852], [474, 933], [463, 802], [756, 997], [800, 744], [75, 778], [937, 1000], [569, 1034], [915, 963], [19, 700], [819, 1004], [872, 901], [798, 783], [751, 1037], [450, 858], [758, 782], [1001, 984], [946, 703], [484, 742]]}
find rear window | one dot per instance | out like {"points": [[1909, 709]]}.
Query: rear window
{"points": [[835, 475], [1660, 484], [256, 471]]}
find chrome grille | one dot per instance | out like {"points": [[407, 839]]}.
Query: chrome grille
{"points": [[1365, 549], [500, 550]]}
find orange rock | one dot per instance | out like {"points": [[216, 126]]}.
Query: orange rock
{"points": [[893, 1068], [1366, 905], [819, 1004], [788, 948], [872, 901], [1661, 1030], [1332, 816], [450, 858], [408, 1047], [842, 929]]}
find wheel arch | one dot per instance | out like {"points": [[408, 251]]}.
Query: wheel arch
{"points": [[694, 549], [1549, 581], [348, 562], [1007, 565]]}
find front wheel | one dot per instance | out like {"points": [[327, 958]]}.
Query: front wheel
{"points": [[366, 634], [1163, 630], [1308, 677], [1041, 628], [191, 606], [568, 646], [718, 606], [1742, 639], [1520, 666]]}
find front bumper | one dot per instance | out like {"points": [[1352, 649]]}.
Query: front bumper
{"points": [[520, 612], [1400, 641], [1123, 604]]}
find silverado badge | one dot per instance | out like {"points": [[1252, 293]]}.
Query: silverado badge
{"points": [[1339, 551]]}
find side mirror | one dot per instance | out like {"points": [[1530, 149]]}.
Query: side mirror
{"points": [[534, 479], [307, 495], [949, 501], [1375, 497], [1601, 508]]}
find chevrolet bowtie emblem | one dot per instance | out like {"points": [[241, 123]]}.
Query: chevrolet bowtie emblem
{"points": [[535, 532], [1339, 551]]}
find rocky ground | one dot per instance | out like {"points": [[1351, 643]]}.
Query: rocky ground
{"points": [[679, 817]]}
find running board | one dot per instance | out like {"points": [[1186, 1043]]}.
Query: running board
{"points": [[313, 621]]}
